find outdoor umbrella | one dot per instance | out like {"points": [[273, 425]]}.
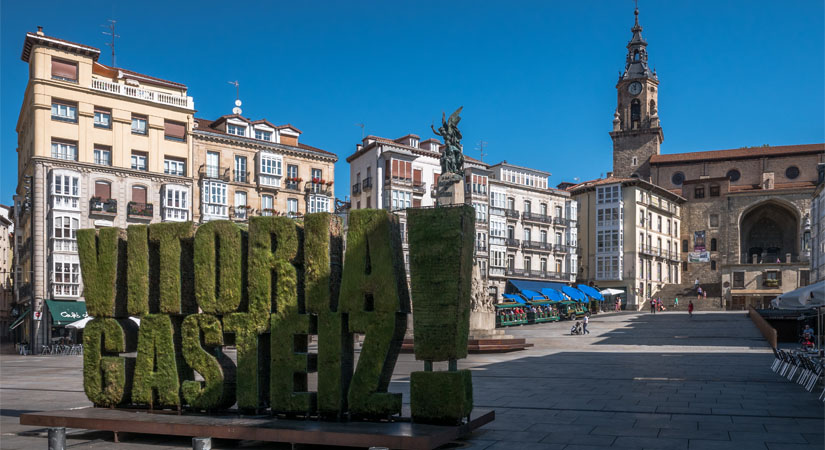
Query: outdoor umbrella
{"points": [[81, 324]]}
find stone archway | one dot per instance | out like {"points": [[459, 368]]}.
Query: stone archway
{"points": [[769, 230]]}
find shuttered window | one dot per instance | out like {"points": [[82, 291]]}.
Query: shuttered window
{"points": [[138, 194], [416, 203], [435, 178], [417, 176], [175, 131], [64, 70], [103, 190], [395, 168]]}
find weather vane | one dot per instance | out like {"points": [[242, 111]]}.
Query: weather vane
{"points": [[237, 109]]}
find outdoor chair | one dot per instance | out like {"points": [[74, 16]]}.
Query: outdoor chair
{"points": [[795, 363], [816, 375], [777, 360]]}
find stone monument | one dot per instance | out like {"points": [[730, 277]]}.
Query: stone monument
{"points": [[450, 187]]}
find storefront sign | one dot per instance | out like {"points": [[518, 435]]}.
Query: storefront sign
{"points": [[695, 257]]}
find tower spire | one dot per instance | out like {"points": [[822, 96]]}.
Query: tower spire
{"points": [[636, 62]]}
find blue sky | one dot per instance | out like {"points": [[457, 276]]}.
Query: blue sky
{"points": [[536, 79]]}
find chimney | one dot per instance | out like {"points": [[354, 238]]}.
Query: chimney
{"points": [[40, 31], [358, 147], [609, 174]]}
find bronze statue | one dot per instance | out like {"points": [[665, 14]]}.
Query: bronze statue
{"points": [[452, 159]]}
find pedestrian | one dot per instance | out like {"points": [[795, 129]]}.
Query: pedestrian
{"points": [[675, 302], [699, 293], [653, 305], [696, 284], [585, 321], [705, 294], [690, 309]]}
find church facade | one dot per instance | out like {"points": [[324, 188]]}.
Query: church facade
{"points": [[745, 234]]}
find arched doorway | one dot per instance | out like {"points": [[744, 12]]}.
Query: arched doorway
{"points": [[769, 231]]}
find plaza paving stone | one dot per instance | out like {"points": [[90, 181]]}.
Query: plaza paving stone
{"points": [[638, 381]]}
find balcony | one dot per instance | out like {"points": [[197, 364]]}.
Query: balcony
{"points": [[356, 188], [213, 172], [538, 218], [175, 214], [534, 245], [143, 94], [496, 240], [510, 242], [135, 210], [106, 207], [292, 183], [319, 188], [240, 213], [511, 214], [496, 211], [240, 176], [561, 221], [419, 187], [366, 184], [534, 274]]}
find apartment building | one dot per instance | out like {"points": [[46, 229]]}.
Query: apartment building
{"points": [[815, 241], [252, 167], [396, 174], [629, 236], [98, 146], [8, 312], [533, 231]]}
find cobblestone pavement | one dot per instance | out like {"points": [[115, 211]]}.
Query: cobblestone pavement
{"points": [[638, 381]]}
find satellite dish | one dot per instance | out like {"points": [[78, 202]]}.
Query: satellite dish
{"points": [[236, 110], [238, 102]]}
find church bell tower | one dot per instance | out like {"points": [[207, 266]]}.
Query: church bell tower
{"points": [[637, 133]]}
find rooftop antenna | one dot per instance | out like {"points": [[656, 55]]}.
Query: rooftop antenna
{"points": [[111, 33], [480, 148], [237, 109], [362, 129]]}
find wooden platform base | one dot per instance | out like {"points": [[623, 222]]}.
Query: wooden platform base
{"points": [[482, 345], [400, 435]]}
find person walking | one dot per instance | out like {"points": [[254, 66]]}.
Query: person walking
{"points": [[585, 321], [690, 309], [675, 302], [653, 305], [699, 293]]}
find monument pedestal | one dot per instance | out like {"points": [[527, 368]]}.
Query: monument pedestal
{"points": [[450, 190]]}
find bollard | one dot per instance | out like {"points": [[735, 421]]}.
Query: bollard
{"points": [[201, 443], [57, 438]]}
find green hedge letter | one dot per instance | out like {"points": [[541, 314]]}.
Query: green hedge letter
{"points": [[374, 294], [98, 266], [165, 239], [218, 277], [212, 393], [156, 369], [104, 377], [137, 272]]}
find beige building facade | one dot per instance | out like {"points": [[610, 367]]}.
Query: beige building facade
{"points": [[629, 233], [245, 167], [97, 146]]}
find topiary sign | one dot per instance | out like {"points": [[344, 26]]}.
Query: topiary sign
{"points": [[266, 291]]}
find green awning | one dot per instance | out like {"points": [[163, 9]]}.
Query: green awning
{"points": [[64, 313], [19, 320]]}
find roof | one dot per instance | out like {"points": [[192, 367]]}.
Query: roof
{"points": [[33, 39], [208, 125], [590, 185], [738, 153]]}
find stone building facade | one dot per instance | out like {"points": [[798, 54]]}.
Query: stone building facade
{"points": [[245, 167], [97, 146], [747, 210], [817, 238]]}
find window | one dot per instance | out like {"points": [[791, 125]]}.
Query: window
{"points": [[558, 239], [481, 241], [214, 199], [699, 192], [319, 203], [804, 278], [511, 232], [634, 162], [527, 263], [138, 125], [139, 194], [292, 207], [175, 205], [739, 279], [174, 131], [608, 194], [733, 175], [659, 223], [64, 111], [714, 190], [497, 258], [292, 171], [263, 135], [543, 209], [792, 172], [713, 244], [527, 233], [684, 245], [140, 161], [527, 206], [64, 232], [270, 169], [212, 164], [511, 262], [511, 203], [401, 200], [267, 205], [543, 265], [369, 202], [64, 70], [677, 179], [712, 264], [103, 156], [237, 130], [497, 200], [103, 118], [65, 190], [66, 276], [714, 220], [240, 205], [635, 110], [317, 176], [543, 236], [481, 212], [64, 150], [103, 190], [173, 166]]}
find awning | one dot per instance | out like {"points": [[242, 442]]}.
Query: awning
{"points": [[810, 296], [515, 298], [64, 313], [532, 295], [553, 294], [611, 291], [575, 294], [593, 293], [19, 321]]}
